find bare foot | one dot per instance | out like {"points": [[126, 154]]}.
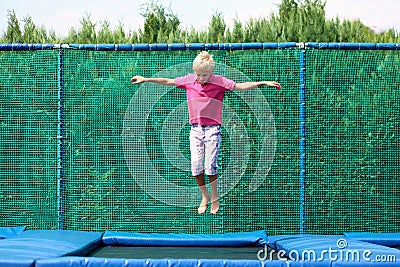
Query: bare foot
{"points": [[214, 206], [203, 205]]}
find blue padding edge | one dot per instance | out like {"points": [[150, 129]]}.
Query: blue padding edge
{"points": [[181, 46], [41, 244], [6, 232], [200, 46], [22, 46], [310, 264], [273, 241], [17, 262], [354, 46], [384, 239], [255, 238], [101, 262], [326, 248]]}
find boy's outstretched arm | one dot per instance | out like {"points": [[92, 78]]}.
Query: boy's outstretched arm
{"points": [[163, 81], [251, 85]]}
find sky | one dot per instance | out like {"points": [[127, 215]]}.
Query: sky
{"points": [[61, 16]]}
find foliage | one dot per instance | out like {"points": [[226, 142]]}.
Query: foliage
{"points": [[296, 21], [160, 26]]}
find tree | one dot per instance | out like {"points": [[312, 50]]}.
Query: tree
{"points": [[302, 21], [296, 21], [119, 34], [289, 23], [216, 29], [105, 34], [13, 33], [259, 30], [72, 36], [30, 31], [87, 33], [312, 20], [389, 36], [159, 23], [191, 36], [237, 35]]}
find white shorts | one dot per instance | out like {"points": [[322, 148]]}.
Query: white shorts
{"points": [[205, 143]]}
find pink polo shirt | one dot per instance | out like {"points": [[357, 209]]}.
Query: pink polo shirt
{"points": [[205, 100]]}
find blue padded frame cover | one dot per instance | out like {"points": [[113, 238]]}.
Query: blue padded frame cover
{"points": [[318, 246], [384, 239], [100, 262], [25, 248], [6, 232], [241, 239], [273, 240]]}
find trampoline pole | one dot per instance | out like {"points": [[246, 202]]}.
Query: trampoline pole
{"points": [[61, 136], [302, 138]]}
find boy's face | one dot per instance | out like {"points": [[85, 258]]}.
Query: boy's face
{"points": [[203, 75]]}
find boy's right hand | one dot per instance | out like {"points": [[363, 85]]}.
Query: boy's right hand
{"points": [[137, 79]]}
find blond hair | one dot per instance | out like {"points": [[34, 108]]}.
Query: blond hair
{"points": [[203, 61]]}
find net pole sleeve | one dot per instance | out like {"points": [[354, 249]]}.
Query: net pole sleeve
{"points": [[302, 140], [61, 136]]}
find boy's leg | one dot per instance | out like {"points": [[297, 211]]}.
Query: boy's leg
{"points": [[212, 145], [204, 193], [197, 155], [214, 193]]}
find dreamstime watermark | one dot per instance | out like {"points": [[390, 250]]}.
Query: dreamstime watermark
{"points": [[156, 113], [339, 253]]}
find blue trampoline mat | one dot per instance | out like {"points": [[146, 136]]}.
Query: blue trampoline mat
{"points": [[231, 253]]}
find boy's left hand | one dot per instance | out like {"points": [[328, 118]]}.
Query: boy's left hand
{"points": [[274, 84]]}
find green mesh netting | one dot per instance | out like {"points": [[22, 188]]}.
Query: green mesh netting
{"points": [[353, 141], [103, 172], [119, 136], [28, 138]]}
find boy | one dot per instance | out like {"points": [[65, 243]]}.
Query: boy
{"points": [[205, 93]]}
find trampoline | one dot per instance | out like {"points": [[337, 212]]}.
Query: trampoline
{"points": [[61, 248], [77, 139]]}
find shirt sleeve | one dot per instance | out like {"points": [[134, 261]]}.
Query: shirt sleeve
{"points": [[230, 84], [181, 82], [224, 82]]}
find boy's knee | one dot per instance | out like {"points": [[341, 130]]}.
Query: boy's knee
{"points": [[211, 170], [196, 173]]}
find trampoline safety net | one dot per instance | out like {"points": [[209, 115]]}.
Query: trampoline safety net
{"points": [[81, 148]]}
